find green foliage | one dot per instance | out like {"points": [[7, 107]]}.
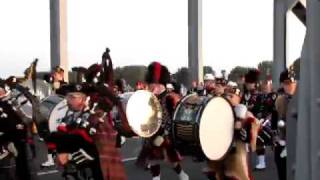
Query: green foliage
{"points": [[265, 68], [182, 76], [131, 74], [208, 70], [238, 72], [296, 68]]}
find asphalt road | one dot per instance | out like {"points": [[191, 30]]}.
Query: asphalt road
{"points": [[129, 152]]}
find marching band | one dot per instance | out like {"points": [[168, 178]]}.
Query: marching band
{"points": [[83, 123]]}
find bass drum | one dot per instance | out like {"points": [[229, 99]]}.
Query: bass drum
{"points": [[216, 130], [186, 120], [199, 122], [52, 110]]}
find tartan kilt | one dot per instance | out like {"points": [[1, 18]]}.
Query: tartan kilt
{"points": [[110, 157], [150, 153]]}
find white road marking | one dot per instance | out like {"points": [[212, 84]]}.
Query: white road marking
{"points": [[7, 167], [129, 159], [47, 172]]}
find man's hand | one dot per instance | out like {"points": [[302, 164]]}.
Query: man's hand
{"points": [[63, 158]]}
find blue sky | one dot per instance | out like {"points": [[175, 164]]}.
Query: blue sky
{"points": [[141, 31]]}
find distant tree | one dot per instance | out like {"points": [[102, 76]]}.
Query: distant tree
{"points": [[182, 76], [237, 72], [131, 74], [208, 70], [296, 68], [265, 68], [224, 73], [117, 73]]}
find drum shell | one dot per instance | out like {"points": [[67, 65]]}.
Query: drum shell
{"points": [[122, 124], [185, 132], [48, 107], [144, 114]]}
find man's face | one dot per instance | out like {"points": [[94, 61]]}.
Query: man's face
{"points": [[170, 90], [2, 92], [116, 89], [156, 88], [139, 87], [194, 84], [209, 85], [250, 86], [219, 89], [289, 87], [233, 98], [266, 87], [76, 101], [58, 76]]}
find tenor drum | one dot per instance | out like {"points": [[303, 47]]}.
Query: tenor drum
{"points": [[53, 109], [144, 113], [199, 123], [121, 122]]}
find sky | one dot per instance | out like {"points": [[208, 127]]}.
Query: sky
{"points": [[141, 31]]}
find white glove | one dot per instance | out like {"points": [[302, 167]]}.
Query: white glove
{"points": [[283, 154], [3, 154], [281, 124], [123, 140], [158, 141], [241, 111], [12, 149]]}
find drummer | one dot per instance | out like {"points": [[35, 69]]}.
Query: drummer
{"points": [[159, 147], [56, 80], [209, 84], [140, 86], [220, 86], [235, 163]]}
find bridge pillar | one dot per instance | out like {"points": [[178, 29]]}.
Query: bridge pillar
{"points": [[195, 63], [279, 40], [58, 35]]}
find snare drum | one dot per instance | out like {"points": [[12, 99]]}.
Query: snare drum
{"points": [[203, 125]]}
